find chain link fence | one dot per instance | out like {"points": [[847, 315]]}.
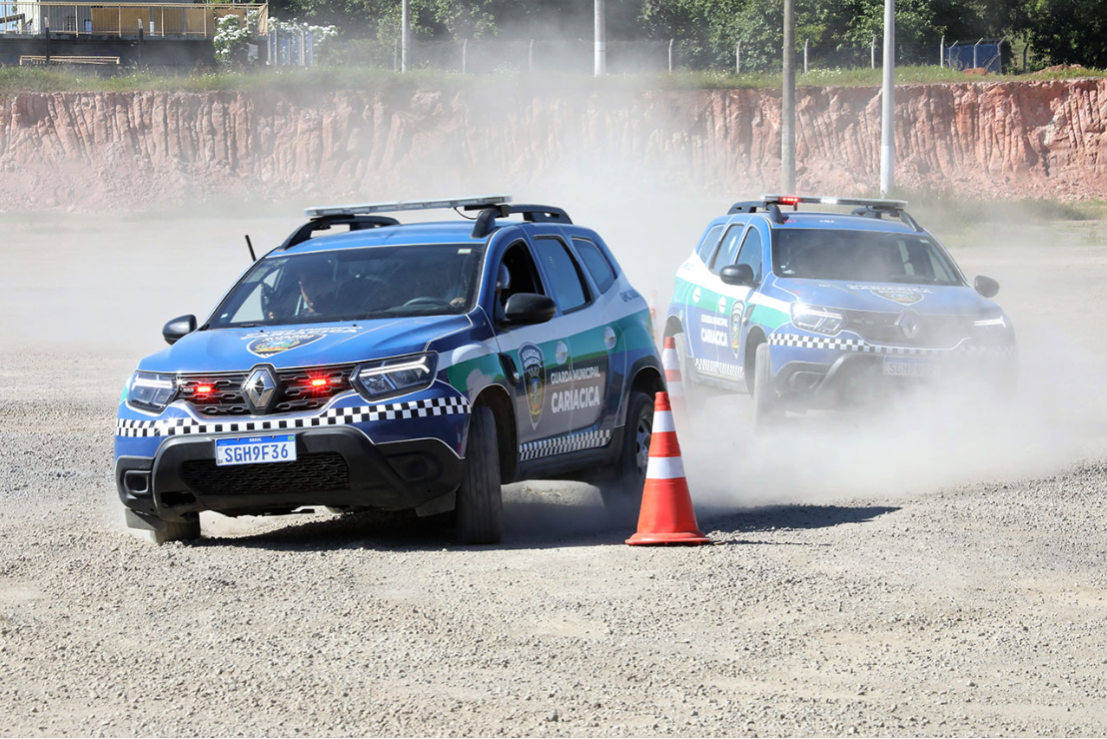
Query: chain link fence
{"points": [[487, 56]]}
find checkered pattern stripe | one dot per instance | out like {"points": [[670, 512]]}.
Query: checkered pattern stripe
{"points": [[563, 444], [715, 367], [332, 417], [859, 345]]}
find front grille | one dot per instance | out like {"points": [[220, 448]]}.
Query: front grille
{"points": [[935, 332], [295, 390], [311, 473]]}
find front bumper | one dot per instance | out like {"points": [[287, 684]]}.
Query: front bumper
{"points": [[393, 455], [335, 466], [816, 372]]}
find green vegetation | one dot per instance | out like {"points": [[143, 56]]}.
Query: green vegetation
{"points": [[1058, 31], [322, 79]]}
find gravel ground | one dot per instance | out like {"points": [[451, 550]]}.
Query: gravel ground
{"points": [[947, 588]]}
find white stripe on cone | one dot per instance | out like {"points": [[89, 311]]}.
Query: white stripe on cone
{"points": [[670, 360], [663, 421], [676, 388], [665, 468]]}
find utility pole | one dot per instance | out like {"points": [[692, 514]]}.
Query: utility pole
{"points": [[888, 102], [788, 102], [405, 33], [601, 40]]}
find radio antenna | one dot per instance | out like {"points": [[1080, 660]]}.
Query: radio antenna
{"points": [[250, 246]]}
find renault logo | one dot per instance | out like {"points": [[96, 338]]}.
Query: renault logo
{"points": [[909, 324], [259, 388]]}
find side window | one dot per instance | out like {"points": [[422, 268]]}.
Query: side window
{"points": [[709, 240], [521, 273], [728, 249], [596, 263], [565, 278], [751, 252]]}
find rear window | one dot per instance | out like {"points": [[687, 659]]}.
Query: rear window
{"points": [[709, 240], [596, 263], [873, 256]]}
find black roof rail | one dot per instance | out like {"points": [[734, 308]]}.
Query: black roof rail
{"points": [[871, 211], [323, 223], [751, 206], [486, 221]]}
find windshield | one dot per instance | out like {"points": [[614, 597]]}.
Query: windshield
{"points": [[872, 256], [354, 284]]}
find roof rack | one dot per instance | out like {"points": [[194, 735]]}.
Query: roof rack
{"points": [[324, 223], [486, 221], [869, 207], [397, 206]]}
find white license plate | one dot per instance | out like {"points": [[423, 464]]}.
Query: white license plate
{"points": [[255, 450], [910, 368]]}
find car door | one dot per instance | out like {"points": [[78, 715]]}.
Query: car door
{"points": [[577, 394], [712, 318], [602, 347], [539, 352], [738, 308]]}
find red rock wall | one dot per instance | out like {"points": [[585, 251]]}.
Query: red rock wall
{"points": [[123, 150]]}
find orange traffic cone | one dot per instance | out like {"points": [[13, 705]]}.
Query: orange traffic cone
{"points": [[667, 516], [670, 362]]}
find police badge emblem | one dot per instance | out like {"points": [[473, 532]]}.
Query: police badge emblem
{"points": [[534, 379]]}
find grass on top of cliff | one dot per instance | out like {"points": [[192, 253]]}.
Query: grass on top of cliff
{"points": [[24, 79]]}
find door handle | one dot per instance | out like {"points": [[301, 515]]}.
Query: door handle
{"points": [[561, 353]]}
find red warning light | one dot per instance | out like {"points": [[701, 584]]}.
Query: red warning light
{"points": [[319, 382], [203, 389], [790, 200]]}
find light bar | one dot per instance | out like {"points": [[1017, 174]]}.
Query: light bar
{"points": [[817, 200], [399, 205]]}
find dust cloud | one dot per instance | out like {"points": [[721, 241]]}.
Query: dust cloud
{"points": [[105, 284]]}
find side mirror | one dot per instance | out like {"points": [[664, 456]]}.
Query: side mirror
{"points": [[738, 274], [527, 308], [986, 286], [177, 328]]}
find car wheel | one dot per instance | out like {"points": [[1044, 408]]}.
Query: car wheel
{"points": [[623, 496], [480, 517], [767, 408], [158, 531]]}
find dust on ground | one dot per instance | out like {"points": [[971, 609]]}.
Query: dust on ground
{"points": [[858, 584]]}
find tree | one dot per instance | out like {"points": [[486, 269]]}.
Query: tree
{"points": [[1069, 31]]}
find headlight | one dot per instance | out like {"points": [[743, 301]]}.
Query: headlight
{"points": [[819, 320], [387, 377], [151, 391]]}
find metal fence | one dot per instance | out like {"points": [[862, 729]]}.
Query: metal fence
{"points": [[623, 57]]}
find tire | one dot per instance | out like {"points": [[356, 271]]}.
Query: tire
{"points": [[767, 408], [622, 497], [480, 516], [157, 531]]}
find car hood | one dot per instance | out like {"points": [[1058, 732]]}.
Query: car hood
{"points": [[235, 349], [889, 297]]}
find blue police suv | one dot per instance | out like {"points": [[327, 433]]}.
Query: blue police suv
{"points": [[397, 367], [809, 309]]}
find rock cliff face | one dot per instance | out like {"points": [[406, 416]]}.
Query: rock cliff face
{"points": [[125, 150]]}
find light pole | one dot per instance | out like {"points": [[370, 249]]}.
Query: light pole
{"points": [[888, 103], [601, 40], [788, 102], [405, 33]]}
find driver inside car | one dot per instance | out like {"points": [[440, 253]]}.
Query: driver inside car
{"points": [[317, 289]]}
